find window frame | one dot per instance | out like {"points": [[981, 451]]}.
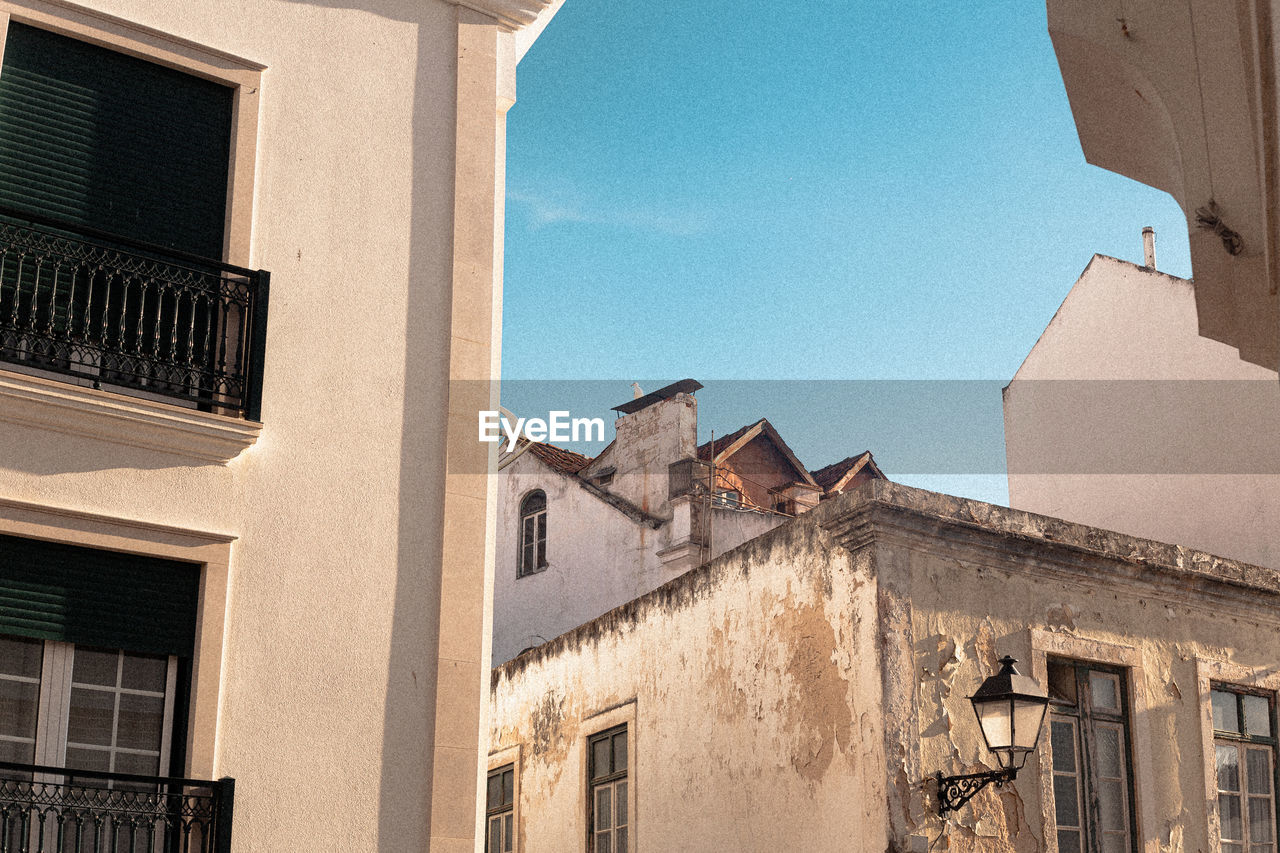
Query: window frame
{"points": [[609, 780], [1243, 741], [1085, 718], [538, 518], [242, 76], [503, 808]]}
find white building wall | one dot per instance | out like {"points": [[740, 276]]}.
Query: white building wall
{"points": [[1163, 434]]}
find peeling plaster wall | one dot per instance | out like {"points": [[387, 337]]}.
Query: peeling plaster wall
{"points": [[756, 704]]}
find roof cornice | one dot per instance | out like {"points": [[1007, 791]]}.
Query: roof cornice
{"points": [[516, 14]]}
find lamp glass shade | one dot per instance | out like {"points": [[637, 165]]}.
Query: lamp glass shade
{"points": [[997, 720], [1028, 717]]}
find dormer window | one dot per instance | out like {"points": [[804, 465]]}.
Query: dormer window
{"points": [[533, 533]]}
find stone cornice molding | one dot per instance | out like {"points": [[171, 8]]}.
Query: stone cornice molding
{"points": [[515, 14]]}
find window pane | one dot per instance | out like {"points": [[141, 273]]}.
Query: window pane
{"points": [[495, 792], [1257, 716], [604, 810], [18, 752], [1063, 744], [509, 786], [88, 759], [91, 716], [600, 758], [495, 835], [18, 703], [1111, 806], [508, 833], [620, 806], [1104, 691], [1115, 842], [1261, 817], [141, 722], [1068, 841], [144, 672], [620, 840], [1228, 768], [1062, 682], [1226, 717], [1232, 848], [142, 765], [619, 752], [1109, 755], [20, 656], [93, 666], [1258, 770], [602, 843], [1065, 804], [542, 527], [1229, 817]]}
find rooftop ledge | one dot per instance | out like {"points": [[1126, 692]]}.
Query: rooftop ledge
{"points": [[133, 422]]}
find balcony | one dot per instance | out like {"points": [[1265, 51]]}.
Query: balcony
{"points": [[101, 310], [55, 810]]}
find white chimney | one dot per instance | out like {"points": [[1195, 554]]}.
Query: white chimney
{"points": [[1149, 247]]}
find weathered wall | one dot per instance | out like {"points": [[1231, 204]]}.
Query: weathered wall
{"points": [[1160, 433], [754, 707]]}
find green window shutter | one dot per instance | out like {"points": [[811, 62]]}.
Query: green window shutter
{"points": [[99, 598], [105, 140]]}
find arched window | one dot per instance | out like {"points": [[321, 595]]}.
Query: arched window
{"points": [[533, 533]]}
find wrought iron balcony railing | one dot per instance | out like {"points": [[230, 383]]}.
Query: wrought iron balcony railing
{"points": [[56, 810], [131, 316]]}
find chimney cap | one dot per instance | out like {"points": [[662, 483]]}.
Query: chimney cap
{"points": [[684, 386]]}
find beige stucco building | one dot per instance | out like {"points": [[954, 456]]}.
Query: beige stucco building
{"points": [[1122, 416], [295, 496], [802, 691]]}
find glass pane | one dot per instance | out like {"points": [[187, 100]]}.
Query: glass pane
{"points": [[1063, 743], [141, 765], [604, 810], [495, 791], [620, 806], [1068, 841], [1104, 690], [509, 786], [90, 718], [1258, 770], [1109, 756], [88, 759], [1257, 716], [145, 672], [1111, 805], [602, 843], [600, 758], [996, 719], [1232, 848], [141, 722], [619, 752], [20, 656], [620, 840], [18, 752], [1065, 804], [1261, 820], [495, 835], [1226, 717], [1115, 842], [508, 834], [542, 527], [94, 666], [18, 703], [1062, 683], [1229, 817], [1228, 768]]}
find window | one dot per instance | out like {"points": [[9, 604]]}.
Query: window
{"points": [[607, 789], [1090, 742], [728, 497], [500, 823], [104, 710], [533, 533], [1245, 745]]}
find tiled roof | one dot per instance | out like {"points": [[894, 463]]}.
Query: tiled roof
{"points": [[830, 476], [557, 457], [704, 450]]}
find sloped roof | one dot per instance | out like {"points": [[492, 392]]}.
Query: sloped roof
{"points": [[562, 460], [734, 441], [725, 442], [837, 474]]}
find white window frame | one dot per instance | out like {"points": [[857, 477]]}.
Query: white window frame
{"points": [[609, 718]]}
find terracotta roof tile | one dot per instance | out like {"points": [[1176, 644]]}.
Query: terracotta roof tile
{"points": [[557, 457], [830, 475], [704, 450]]}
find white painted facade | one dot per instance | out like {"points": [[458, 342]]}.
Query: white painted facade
{"points": [[1123, 417], [343, 542]]}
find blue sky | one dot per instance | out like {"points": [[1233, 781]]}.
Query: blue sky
{"points": [[813, 191]]}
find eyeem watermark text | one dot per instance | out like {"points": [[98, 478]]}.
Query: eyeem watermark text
{"points": [[558, 426]]}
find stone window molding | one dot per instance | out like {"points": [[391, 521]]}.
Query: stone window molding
{"points": [[1046, 644], [1209, 671], [209, 549]]}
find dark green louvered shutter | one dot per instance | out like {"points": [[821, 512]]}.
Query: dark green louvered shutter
{"points": [[97, 598], [100, 139]]}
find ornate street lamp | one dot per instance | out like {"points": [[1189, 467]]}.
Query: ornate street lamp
{"points": [[1010, 709]]}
